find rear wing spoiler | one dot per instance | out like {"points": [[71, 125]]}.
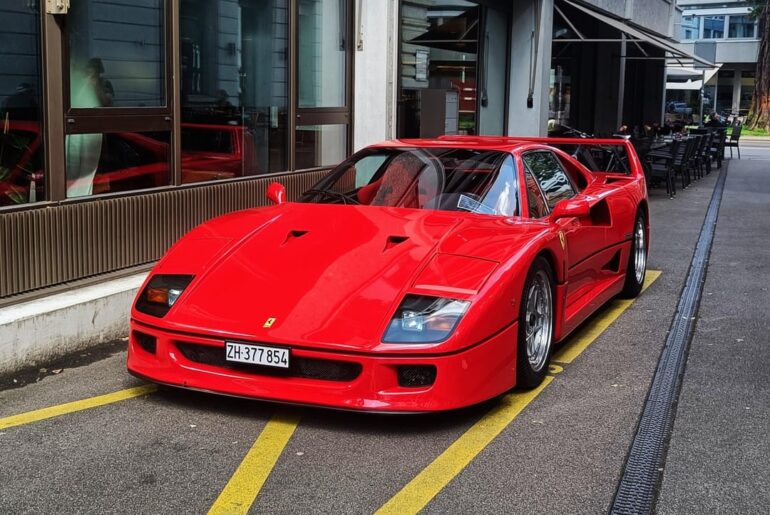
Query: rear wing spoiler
{"points": [[615, 156]]}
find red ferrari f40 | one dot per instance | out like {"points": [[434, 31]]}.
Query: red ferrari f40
{"points": [[418, 275]]}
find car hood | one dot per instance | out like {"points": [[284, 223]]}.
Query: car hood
{"points": [[328, 276]]}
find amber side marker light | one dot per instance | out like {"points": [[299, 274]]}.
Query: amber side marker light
{"points": [[161, 293]]}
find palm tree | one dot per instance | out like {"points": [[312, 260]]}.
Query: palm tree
{"points": [[759, 114]]}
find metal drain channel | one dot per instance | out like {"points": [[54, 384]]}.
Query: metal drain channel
{"points": [[643, 471]]}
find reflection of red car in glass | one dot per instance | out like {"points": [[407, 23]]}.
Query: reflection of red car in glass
{"points": [[128, 160], [216, 152]]}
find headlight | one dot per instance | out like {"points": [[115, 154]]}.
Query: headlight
{"points": [[161, 293], [421, 319]]}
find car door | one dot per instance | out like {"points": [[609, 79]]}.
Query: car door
{"points": [[581, 239]]}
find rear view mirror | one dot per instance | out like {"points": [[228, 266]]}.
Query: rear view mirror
{"points": [[276, 193], [572, 208]]}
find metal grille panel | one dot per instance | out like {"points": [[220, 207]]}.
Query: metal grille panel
{"points": [[49, 246]]}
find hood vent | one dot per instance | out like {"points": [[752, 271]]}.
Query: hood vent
{"points": [[393, 241], [293, 235]]}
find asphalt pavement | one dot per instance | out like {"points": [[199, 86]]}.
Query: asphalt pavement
{"points": [[719, 454], [560, 452]]}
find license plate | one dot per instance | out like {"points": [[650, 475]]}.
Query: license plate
{"points": [[257, 355]]}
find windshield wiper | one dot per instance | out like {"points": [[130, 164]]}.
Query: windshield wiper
{"points": [[335, 195]]}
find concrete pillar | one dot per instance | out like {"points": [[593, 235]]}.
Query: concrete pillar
{"points": [[376, 61], [737, 91], [525, 66]]}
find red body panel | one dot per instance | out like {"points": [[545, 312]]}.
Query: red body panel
{"points": [[331, 276]]}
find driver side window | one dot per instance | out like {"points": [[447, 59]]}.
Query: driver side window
{"points": [[551, 177]]}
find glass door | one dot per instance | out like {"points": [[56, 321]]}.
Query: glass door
{"points": [[323, 77]]}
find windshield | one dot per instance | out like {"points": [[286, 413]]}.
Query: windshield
{"points": [[448, 179]]}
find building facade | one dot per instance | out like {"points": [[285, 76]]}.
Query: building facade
{"points": [[729, 88], [125, 124]]}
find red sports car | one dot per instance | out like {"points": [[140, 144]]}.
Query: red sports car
{"points": [[419, 275]]}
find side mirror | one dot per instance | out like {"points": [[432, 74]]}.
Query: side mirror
{"points": [[572, 208], [276, 193]]}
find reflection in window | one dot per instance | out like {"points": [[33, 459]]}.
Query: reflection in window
{"points": [[322, 53], [114, 162], [537, 206], [552, 180], [713, 27], [482, 182], [234, 88], [116, 53], [321, 145], [21, 143], [690, 27], [438, 69], [741, 27]]}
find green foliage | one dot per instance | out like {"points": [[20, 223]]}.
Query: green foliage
{"points": [[757, 8]]}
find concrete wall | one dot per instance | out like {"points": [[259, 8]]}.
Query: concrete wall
{"points": [[375, 72], [654, 15], [522, 120], [43, 330], [737, 51]]}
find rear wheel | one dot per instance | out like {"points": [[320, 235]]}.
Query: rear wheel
{"points": [[536, 316], [637, 260]]}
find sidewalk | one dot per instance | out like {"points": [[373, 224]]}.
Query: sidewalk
{"points": [[718, 455]]}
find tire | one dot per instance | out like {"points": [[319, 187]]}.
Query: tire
{"points": [[637, 260], [536, 318]]}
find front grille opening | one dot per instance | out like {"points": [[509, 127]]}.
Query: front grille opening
{"points": [[413, 376], [145, 341], [308, 368]]}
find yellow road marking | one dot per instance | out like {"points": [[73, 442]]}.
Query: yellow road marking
{"points": [[72, 407], [428, 483], [579, 341], [240, 492]]}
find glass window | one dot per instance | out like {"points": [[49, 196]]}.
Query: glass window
{"points": [[724, 97], [21, 142], [439, 54], [747, 94], [741, 27], [112, 162], [235, 89], [502, 196], [117, 54], [321, 145], [322, 53], [713, 27], [425, 178], [690, 27], [550, 176], [537, 205]]}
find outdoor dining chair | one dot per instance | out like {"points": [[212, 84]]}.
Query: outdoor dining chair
{"points": [[717, 150], [734, 137], [660, 166]]}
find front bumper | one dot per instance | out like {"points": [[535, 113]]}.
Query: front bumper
{"points": [[367, 382]]}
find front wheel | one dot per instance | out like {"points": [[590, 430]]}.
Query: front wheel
{"points": [[536, 316], [637, 260]]}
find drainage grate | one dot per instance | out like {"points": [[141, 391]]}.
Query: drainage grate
{"points": [[643, 471]]}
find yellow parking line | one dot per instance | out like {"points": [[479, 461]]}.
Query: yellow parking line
{"points": [[580, 341], [244, 486], [72, 407], [428, 483]]}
